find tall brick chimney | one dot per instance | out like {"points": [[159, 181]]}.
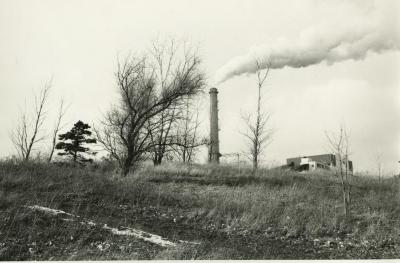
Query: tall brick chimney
{"points": [[213, 150]]}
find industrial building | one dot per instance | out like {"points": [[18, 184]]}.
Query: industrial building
{"points": [[323, 161]]}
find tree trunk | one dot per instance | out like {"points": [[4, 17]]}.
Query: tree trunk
{"points": [[127, 165], [125, 169], [346, 196], [184, 155], [158, 156], [157, 160], [255, 165], [51, 154], [345, 203]]}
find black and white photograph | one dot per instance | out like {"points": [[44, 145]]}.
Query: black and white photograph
{"points": [[199, 130]]}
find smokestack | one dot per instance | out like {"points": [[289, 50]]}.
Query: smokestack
{"points": [[213, 150]]}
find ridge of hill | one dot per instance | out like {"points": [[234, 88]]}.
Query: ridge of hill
{"points": [[221, 213]]}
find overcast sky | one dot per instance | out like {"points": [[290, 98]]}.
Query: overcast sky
{"points": [[76, 43]]}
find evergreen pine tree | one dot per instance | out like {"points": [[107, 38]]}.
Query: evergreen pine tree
{"points": [[72, 143]]}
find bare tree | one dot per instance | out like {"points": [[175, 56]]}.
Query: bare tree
{"points": [[186, 138], [258, 135], [27, 133], [57, 126], [164, 126], [159, 127], [144, 94], [339, 144]]}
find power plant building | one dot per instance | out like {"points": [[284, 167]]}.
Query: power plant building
{"points": [[323, 161]]}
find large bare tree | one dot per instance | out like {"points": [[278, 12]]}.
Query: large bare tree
{"points": [[145, 91], [339, 144], [258, 135], [164, 55], [27, 134]]}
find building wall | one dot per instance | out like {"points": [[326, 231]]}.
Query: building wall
{"points": [[327, 159], [323, 158], [295, 162]]}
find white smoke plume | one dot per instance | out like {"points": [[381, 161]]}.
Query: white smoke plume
{"points": [[374, 31]]}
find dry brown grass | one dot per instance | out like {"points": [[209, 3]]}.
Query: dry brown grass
{"points": [[215, 198]]}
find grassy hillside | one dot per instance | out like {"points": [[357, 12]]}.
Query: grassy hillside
{"points": [[276, 214]]}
